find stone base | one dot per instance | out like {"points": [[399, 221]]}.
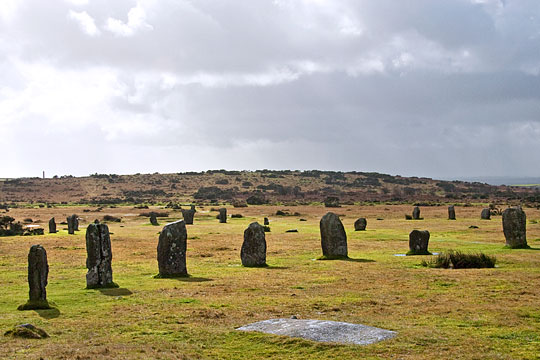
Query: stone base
{"points": [[171, 276], [520, 246], [35, 305], [418, 252], [112, 285], [256, 266], [333, 257]]}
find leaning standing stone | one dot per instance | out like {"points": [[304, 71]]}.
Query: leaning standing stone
{"points": [[222, 215], [253, 253], [360, 224], [52, 226], [171, 250], [451, 213], [153, 219], [333, 237], [485, 214], [418, 242], [38, 271], [514, 227], [188, 216], [416, 213], [99, 257]]}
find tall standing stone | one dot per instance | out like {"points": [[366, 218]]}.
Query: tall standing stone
{"points": [[360, 224], [71, 225], [52, 226], [416, 213], [171, 250], [253, 252], [222, 215], [418, 242], [99, 257], [153, 219], [38, 271], [515, 227], [451, 213], [266, 221], [75, 222], [333, 237], [188, 216], [485, 214]]}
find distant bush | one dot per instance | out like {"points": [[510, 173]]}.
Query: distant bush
{"points": [[331, 201], [256, 199], [158, 214], [459, 260], [222, 182], [213, 193]]}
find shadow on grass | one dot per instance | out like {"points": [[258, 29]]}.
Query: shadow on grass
{"points": [[344, 258], [49, 313], [273, 267], [115, 292], [191, 279]]}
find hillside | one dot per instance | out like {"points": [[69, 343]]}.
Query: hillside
{"points": [[257, 187]]}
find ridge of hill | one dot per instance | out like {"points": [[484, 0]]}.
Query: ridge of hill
{"points": [[256, 187]]}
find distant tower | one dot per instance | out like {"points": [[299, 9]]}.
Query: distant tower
{"points": [[44, 174]]}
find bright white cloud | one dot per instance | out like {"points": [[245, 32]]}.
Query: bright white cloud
{"points": [[136, 20], [86, 22]]}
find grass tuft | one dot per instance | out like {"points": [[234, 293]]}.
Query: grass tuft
{"points": [[459, 260]]}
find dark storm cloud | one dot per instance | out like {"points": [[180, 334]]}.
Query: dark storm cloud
{"points": [[418, 88]]}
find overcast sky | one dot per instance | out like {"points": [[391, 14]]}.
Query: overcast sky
{"points": [[419, 87]]}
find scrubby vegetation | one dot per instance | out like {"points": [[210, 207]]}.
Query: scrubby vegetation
{"points": [[459, 260]]}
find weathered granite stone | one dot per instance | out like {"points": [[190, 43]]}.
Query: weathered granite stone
{"points": [[253, 252], [515, 227], [416, 213], [485, 214], [193, 208], [171, 250], [71, 225], [75, 222], [52, 226], [38, 271], [360, 224], [451, 213], [418, 242], [322, 331], [333, 237], [266, 221], [153, 219], [27, 331], [222, 215], [99, 257], [188, 216]]}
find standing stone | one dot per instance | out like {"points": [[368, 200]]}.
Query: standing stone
{"points": [[416, 213], [253, 253], [418, 242], [52, 226], [333, 237], [99, 257], [222, 215], [38, 271], [451, 213], [266, 221], [75, 222], [71, 225], [193, 208], [188, 216], [153, 219], [485, 214], [360, 224], [514, 227], [171, 250]]}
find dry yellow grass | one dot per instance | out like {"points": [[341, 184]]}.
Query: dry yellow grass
{"points": [[439, 314]]}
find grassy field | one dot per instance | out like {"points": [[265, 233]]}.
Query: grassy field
{"points": [[438, 313]]}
